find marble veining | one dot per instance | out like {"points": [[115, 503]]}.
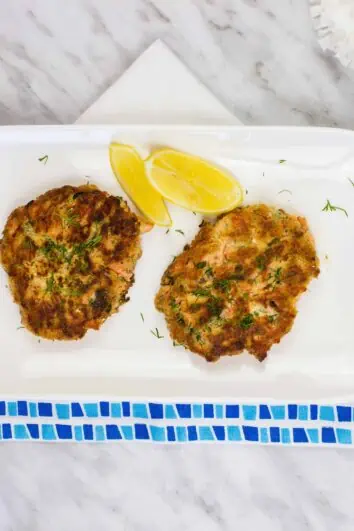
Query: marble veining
{"points": [[262, 59]]}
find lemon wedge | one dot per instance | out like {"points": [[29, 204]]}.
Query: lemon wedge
{"points": [[193, 183], [129, 169]]}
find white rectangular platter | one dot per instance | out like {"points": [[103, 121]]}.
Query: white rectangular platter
{"points": [[315, 361]]}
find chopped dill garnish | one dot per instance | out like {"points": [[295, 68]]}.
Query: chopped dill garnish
{"points": [[272, 318], [180, 231], [200, 265], [215, 306], [168, 230], [43, 159], [209, 272], [277, 275], [70, 219], [90, 244], [285, 191], [51, 248], [50, 284], [201, 292], [174, 305], [332, 208], [194, 213], [351, 181], [20, 327], [222, 284], [261, 262], [281, 161], [142, 317], [246, 321], [156, 333]]}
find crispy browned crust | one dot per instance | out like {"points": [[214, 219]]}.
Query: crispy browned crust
{"points": [[236, 286], [70, 256]]}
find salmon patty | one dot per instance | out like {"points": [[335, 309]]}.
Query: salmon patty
{"points": [[70, 256], [235, 287]]}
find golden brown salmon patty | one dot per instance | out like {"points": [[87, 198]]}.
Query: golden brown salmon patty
{"points": [[236, 286], [70, 256]]}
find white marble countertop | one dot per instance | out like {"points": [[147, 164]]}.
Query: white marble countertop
{"points": [[260, 57]]}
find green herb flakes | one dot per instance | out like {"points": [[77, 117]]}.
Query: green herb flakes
{"points": [[332, 208]]}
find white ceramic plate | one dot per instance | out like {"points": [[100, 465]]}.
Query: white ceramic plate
{"points": [[124, 357]]}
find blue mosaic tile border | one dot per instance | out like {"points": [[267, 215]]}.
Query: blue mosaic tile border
{"points": [[175, 411], [176, 422], [189, 433]]}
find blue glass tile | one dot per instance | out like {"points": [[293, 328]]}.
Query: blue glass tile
{"points": [[197, 411], [20, 432], [264, 438], [299, 435], [344, 436], [264, 412], [76, 410], [157, 433], [208, 411], [33, 409], [232, 412], [78, 433], [205, 433], [313, 435], [156, 411], [140, 411], [12, 409], [219, 411], [313, 412], [184, 411], [285, 436], [45, 409], [2, 408], [219, 432], [6, 431], [126, 409], [234, 433], [181, 433], [113, 432], [116, 410], [88, 432], [192, 433], [141, 431], [127, 432], [274, 434], [249, 412], [278, 412], [171, 436], [292, 411], [63, 411], [104, 409], [91, 410], [22, 408], [33, 430], [64, 431], [48, 433], [303, 412], [328, 435], [250, 433], [344, 413], [326, 413], [170, 412], [100, 433]]}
